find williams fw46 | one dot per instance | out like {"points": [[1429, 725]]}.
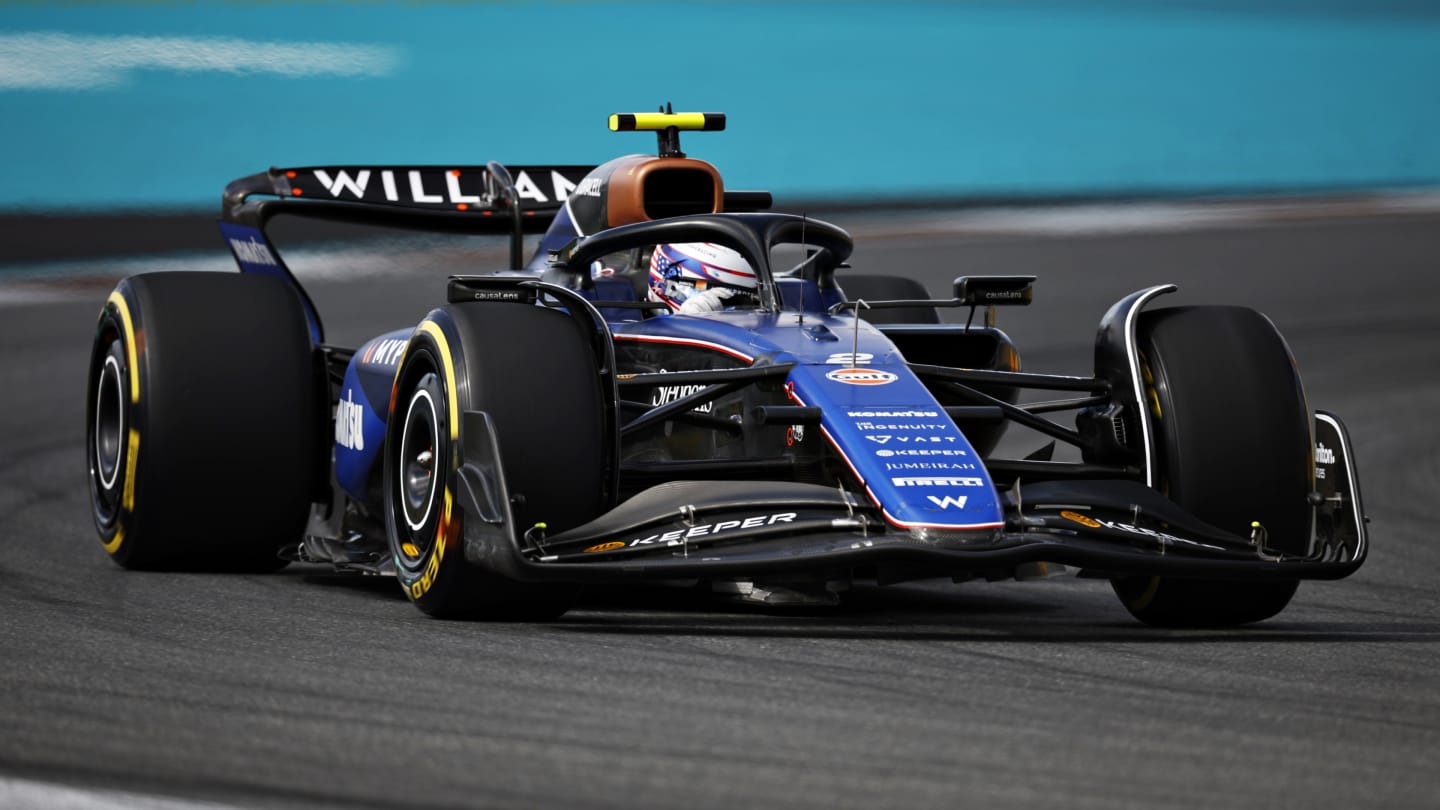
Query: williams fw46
{"points": [[567, 420]]}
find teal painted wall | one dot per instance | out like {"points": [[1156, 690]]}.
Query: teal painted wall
{"points": [[161, 105]]}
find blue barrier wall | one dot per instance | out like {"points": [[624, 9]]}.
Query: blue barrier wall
{"points": [[160, 105]]}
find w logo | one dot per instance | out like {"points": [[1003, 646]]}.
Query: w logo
{"points": [[948, 501]]}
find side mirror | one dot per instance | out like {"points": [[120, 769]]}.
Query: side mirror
{"points": [[992, 291]]}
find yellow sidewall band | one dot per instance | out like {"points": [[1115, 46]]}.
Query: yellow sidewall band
{"points": [[130, 461], [445, 527]]}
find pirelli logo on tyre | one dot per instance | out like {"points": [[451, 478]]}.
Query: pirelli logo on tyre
{"points": [[861, 376]]}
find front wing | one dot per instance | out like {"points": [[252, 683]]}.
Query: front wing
{"points": [[750, 529]]}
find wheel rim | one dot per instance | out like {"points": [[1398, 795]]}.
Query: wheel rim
{"points": [[109, 442], [416, 460]]}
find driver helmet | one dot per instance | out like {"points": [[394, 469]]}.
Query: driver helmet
{"points": [[681, 271]]}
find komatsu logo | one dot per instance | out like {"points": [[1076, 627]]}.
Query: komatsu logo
{"points": [[894, 414], [350, 422], [253, 252]]}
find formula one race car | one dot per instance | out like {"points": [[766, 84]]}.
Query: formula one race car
{"points": [[568, 420]]}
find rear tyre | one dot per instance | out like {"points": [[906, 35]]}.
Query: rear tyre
{"points": [[1233, 446], [202, 421], [534, 373], [889, 288]]}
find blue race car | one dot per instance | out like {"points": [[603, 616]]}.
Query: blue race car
{"points": [[683, 385]]}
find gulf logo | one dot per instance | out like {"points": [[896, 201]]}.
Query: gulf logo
{"points": [[861, 376]]}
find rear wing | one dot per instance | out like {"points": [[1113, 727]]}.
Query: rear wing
{"points": [[489, 199], [479, 191]]}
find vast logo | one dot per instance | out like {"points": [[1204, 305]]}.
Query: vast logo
{"points": [[350, 422], [861, 376]]}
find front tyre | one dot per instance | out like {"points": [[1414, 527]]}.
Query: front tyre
{"points": [[534, 373], [1232, 446]]}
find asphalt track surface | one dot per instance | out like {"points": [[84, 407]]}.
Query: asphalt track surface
{"points": [[306, 690]]}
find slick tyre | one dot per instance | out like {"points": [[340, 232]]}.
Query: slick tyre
{"points": [[202, 421], [533, 371], [889, 288], [1233, 444]]}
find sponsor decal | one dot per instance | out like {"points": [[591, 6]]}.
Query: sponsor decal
{"points": [[1093, 523], [526, 188], [894, 414], [350, 422], [937, 481], [793, 434], [590, 187], [443, 534], [610, 546], [669, 393], [948, 501], [883, 438], [889, 426], [497, 295], [848, 359], [427, 186], [253, 252], [861, 376], [678, 536], [342, 183], [1323, 454], [927, 465], [926, 452], [384, 352], [1161, 536], [1083, 520]]}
